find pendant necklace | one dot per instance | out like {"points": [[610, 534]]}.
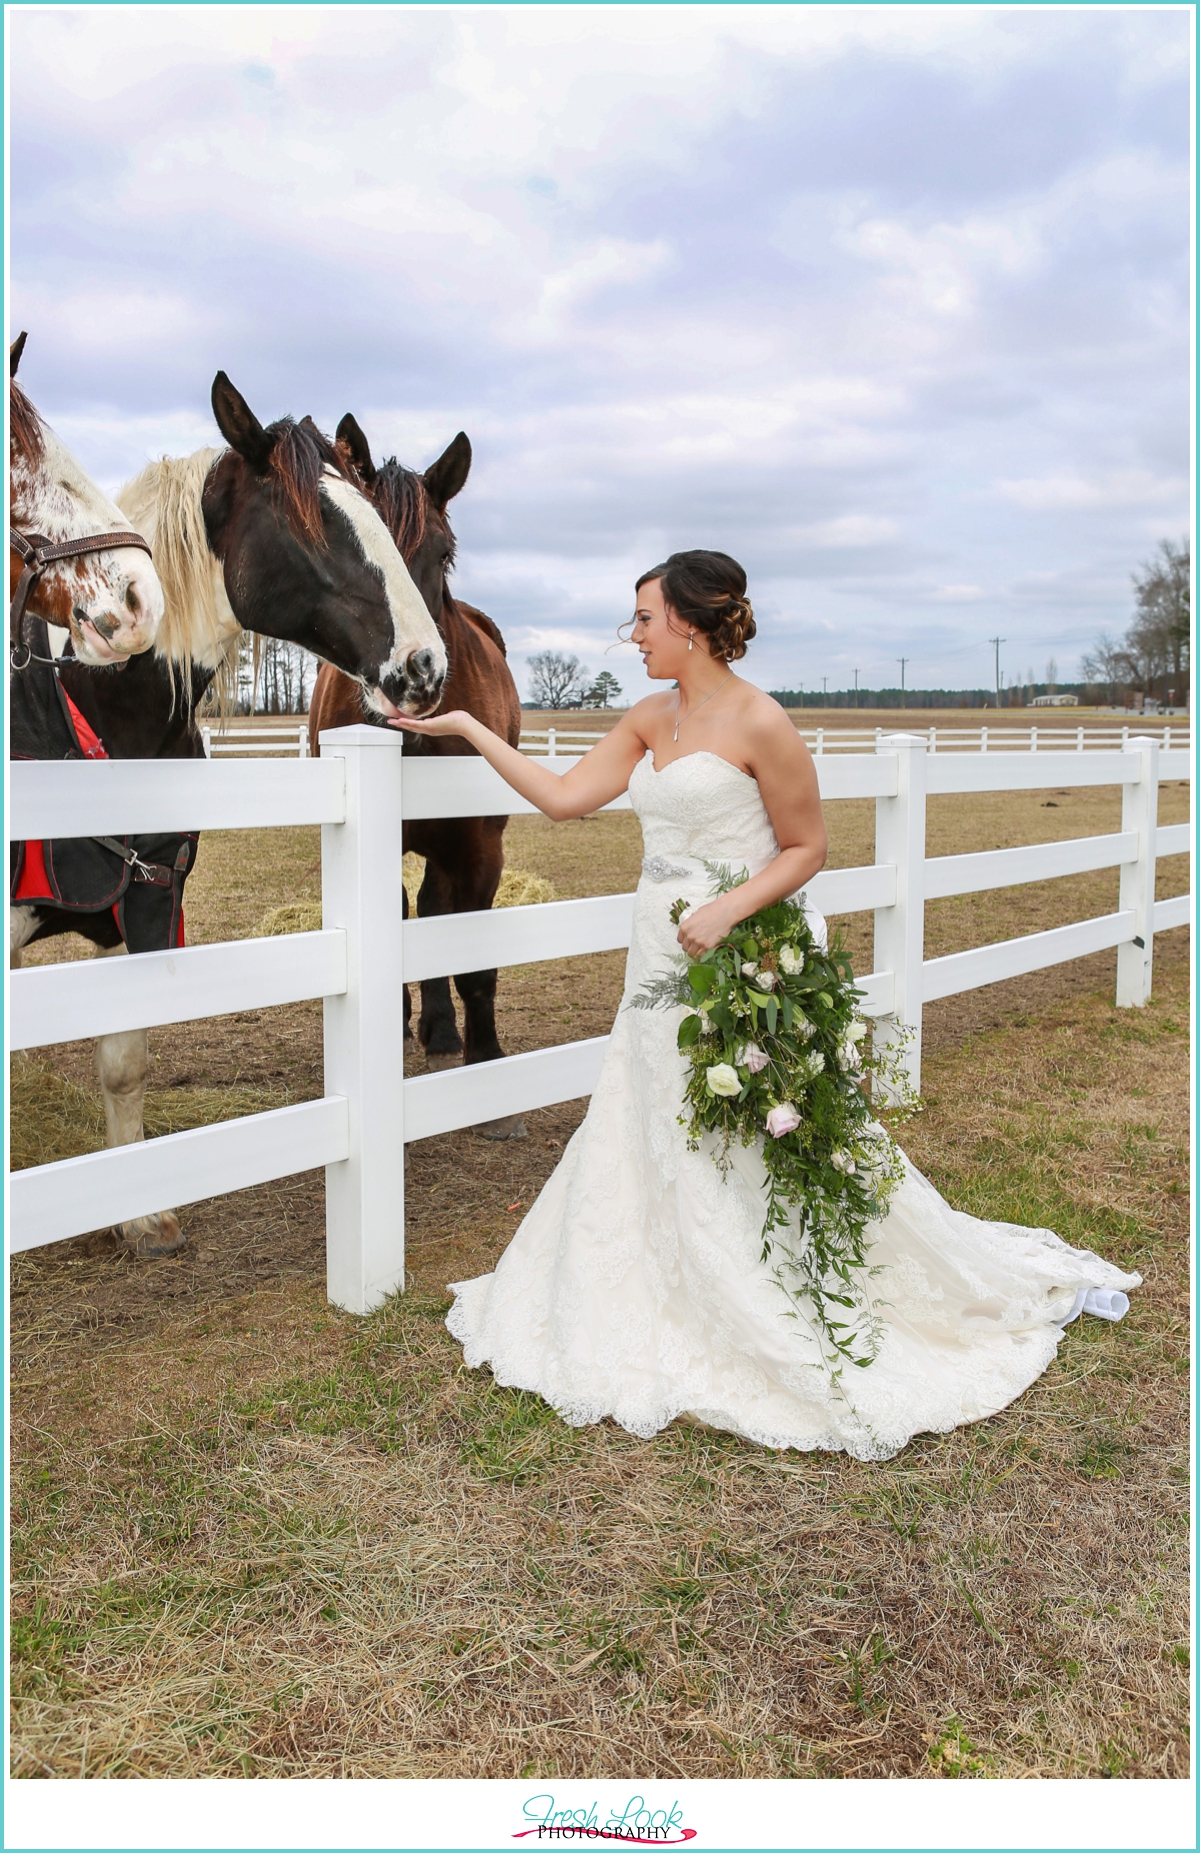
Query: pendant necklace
{"points": [[699, 704]]}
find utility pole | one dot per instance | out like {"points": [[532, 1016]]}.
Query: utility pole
{"points": [[856, 688], [824, 691], [902, 660], [997, 641]]}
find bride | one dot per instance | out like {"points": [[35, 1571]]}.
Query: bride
{"points": [[635, 1287]]}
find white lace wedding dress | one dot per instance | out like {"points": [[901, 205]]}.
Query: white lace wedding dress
{"points": [[635, 1287]]}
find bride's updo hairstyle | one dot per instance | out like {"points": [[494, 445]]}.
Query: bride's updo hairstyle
{"points": [[707, 592]]}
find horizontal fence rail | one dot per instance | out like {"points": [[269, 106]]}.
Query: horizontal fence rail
{"points": [[359, 791], [139, 797], [568, 743], [255, 742], [65, 1003], [50, 1202]]}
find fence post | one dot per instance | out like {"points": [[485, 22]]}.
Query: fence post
{"points": [[302, 743], [206, 736], [933, 739], [552, 743], [900, 930], [820, 739], [362, 891], [1139, 812]]}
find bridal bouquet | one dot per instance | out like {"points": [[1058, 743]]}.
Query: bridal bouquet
{"points": [[778, 1052]]}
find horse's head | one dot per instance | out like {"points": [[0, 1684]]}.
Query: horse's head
{"points": [[306, 557], [111, 602], [413, 506]]}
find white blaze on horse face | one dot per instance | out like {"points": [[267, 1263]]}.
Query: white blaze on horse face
{"points": [[116, 598], [413, 630]]}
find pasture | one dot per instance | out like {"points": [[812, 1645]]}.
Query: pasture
{"points": [[255, 1536]]}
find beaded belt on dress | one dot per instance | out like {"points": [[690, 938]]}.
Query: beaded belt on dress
{"points": [[657, 868]]}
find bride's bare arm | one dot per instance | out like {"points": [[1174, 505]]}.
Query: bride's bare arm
{"points": [[787, 780], [600, 776]]}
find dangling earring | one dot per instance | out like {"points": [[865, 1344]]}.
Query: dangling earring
{"points": [[691, 638]]}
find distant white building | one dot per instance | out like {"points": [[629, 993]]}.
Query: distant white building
{"points": [[1055, 701]]}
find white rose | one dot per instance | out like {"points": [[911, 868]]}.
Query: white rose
{"points": [[748, 968], [766, 981], [790, 960], [723, 1080], [849, 1057], [857, 1030], [842, 1160]]}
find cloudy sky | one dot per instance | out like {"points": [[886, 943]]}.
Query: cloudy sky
{"points": [[890, 303]]}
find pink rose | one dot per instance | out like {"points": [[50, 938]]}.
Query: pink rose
{"points": [[753, 1058], [782, 1119]]}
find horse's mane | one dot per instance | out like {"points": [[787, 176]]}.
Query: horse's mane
{"points": [[404, 506], [24, 424], [165, 504], [198, 625]]}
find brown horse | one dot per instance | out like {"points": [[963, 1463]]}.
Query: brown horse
{"points": [[464, 856]]}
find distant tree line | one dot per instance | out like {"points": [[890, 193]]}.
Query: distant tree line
{"points": [[1154, 656], [557, 681], [886, 698], [273, 676]]}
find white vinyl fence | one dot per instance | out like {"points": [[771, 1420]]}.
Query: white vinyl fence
{"points": [[560, 743], [261, 742], [359, 791]]}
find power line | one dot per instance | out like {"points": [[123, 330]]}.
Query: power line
{"points": [[997, 641]]}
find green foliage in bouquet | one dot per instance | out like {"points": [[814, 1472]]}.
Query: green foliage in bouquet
{"points": [[777, 1051]]}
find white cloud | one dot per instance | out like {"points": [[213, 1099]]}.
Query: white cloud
{"points": [[860, 294], [1072, 490]]}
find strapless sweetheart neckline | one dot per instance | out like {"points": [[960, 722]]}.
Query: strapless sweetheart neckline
{"points": [[702, 753]]}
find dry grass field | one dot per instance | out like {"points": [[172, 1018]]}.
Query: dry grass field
{"points": [[256, 1537]]}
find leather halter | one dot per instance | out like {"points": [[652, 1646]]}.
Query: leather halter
{"points": [[38, 553]]}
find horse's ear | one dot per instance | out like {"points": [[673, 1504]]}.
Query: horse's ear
{"points": [[238, 425], [350, 433], [15, 352], [445, 478]]}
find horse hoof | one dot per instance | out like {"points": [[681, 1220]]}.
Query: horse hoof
{"points": [[434, 1064], [151, 1237], [513, 1127]]}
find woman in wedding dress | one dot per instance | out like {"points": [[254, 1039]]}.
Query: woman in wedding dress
{"points": [[635, 1287]]}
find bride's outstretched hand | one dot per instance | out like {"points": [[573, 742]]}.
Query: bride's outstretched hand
{"points": [[452, 723]]}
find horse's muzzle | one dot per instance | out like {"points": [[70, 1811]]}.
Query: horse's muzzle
{"points": [[417, 689]]}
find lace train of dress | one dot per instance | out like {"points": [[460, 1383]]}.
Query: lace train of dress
{"points": [[635, 1287]]}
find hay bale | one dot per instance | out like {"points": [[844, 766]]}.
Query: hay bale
{"points": [[293, 917], [52, 1117], [518, 888]]}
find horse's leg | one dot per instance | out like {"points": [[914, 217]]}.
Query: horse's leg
{"points": [[479, 866], [22, 925], [437, 1028], [406, 1000], [122, 1060]]}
